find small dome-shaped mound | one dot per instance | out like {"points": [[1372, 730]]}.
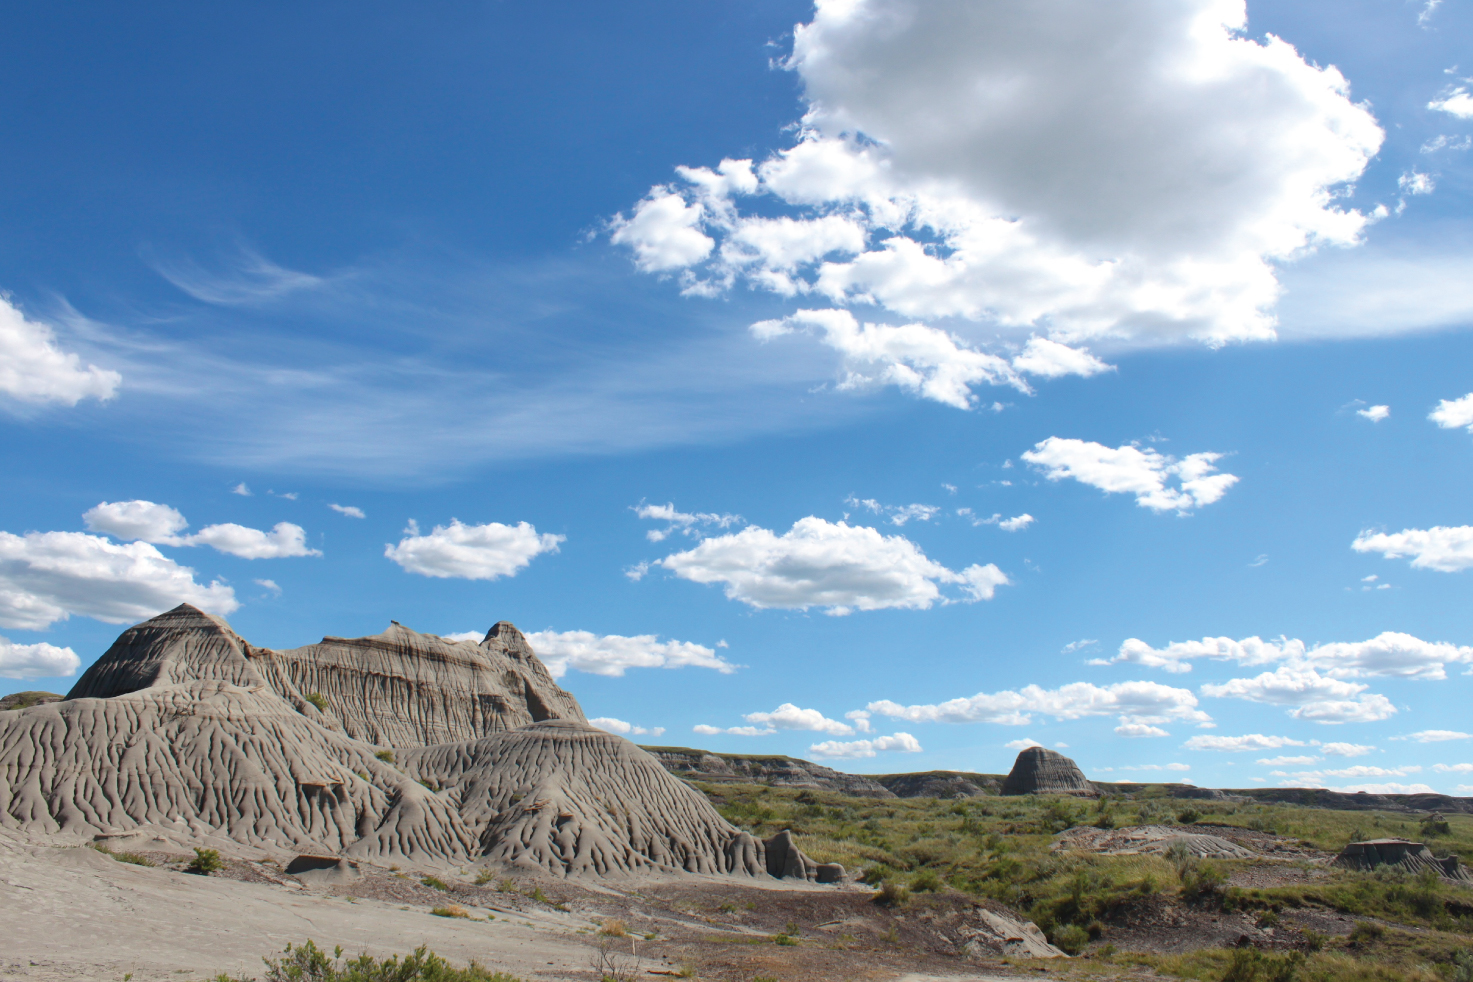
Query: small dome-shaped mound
{"points": [[1039, 770], [573, 800]]}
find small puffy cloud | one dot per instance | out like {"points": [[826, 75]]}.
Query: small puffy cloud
{"points": [[1283, 761], [1374, 413], [1147, 474], [619, 726], [1314, 696], [860, 719], [1447, 549], [1436, 736], [1389, 653], [269, 585], [471, 552], [1134, 702], [1140, 730], [898, 514], [241, 489], [1344, 749], [1453, 768], [284, 540], [161, 525], [143, 520], [1022, 744], [853, 749], [36, 661], [1015, 524], [352, 511], [790, 717], [1451, 414], [664, 232], [1456, 101], [705, 729], [33, 369], [822, 564], [923, 360], [1415, 182], [1050, 359], [612, 655], [689, 523], [48, 576], [1240, 744]]}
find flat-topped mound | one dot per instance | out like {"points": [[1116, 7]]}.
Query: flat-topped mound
{"points": [[396, 689], [777, 770], [1039, 770], [1411, 857]]}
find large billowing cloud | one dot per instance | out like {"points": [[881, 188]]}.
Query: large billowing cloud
{"points": [[614, 654], [1133, 170], [34, 369], [1312, 695], [1139, 703], [1159, 482], [839, 567], [471, 552], [1241, 744], [855, 749], [48, 576], [36, 661], [1390, 653]]}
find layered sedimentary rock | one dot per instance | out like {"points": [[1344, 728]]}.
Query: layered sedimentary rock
{"points": [[941, 784], [1039, 770], [395, 689], [185, 733], [774, 769], [1411, 857], [1148, 840]]}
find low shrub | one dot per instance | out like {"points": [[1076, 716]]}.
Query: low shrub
{"points": [[926, 881], [317, 699], [484, 877], [1071, 938], [387, 756], [893, 894], [1188, 816], [613, 927], [450, 910], [308, 963], [434, 882], [205, 862]]}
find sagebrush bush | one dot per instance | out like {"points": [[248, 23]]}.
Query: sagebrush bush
{"points": [[308, 963]]}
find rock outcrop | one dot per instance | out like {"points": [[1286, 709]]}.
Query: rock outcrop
{"points": [[1039, 770], [1410, 857], [183, 733], [993, 933], [941, 784], [395, 689], [774, 770], [1148, 840]]}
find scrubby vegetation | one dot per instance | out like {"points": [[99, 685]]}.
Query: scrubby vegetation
{"points": [[308, 963], [205, 862], [998, 848]]}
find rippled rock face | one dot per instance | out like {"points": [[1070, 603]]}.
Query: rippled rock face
{"points": [[1410, 857], [402, 746], [395, 689], [1039, 770]]}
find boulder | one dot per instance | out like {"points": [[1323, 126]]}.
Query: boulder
{"points": [[1039, 770]]}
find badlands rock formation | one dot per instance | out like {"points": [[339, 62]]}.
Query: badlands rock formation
{"points": [[1148, 840], [775, 770], [1410, 857], [402, 746], [1039, 770]]}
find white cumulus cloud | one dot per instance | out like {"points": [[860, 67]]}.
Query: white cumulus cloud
{"points": [[1344, 749], [790, 717], [1147, 474], [33, 369], [1313, 696], [835, 566], [1436, 736], [1374, 413], [471, 552], [351, 511], [1022, 744], [1148, 703], [622, 728], [136, 520], [853, 749], [1442, 548], [48, 576], [162, 525], [1136, 169], [1285, 761], [689, 523], [1455, 101], [284, 540], [1140, 730], [1240, 744], [613, 654], [1390, 653], [1451, 414], [36, 661]]}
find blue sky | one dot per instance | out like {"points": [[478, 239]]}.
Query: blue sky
{"points": [[842, 390]]}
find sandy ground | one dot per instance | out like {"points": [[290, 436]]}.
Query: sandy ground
{"points": [[73, 913]]}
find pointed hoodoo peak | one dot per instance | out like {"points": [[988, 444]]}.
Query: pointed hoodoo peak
{"points": [[180, 645], [1039, 770]]}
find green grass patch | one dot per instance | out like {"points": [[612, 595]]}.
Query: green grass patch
{"points": [[308, 963]]}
